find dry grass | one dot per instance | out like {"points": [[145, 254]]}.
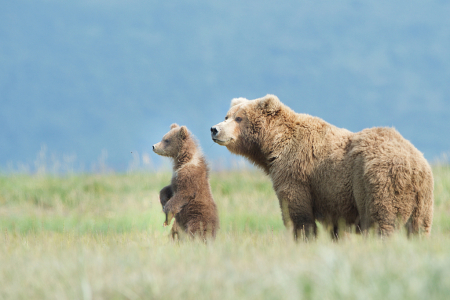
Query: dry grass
{"points": [[101, 237]]}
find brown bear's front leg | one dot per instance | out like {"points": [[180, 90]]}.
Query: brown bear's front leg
{"points": [[304, 226], [284, 205], [296, 207], [335, 232]]}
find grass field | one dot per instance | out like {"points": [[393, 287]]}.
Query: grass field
{"points": [[101, 237]]}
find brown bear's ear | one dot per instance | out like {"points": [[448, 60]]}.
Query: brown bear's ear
{"points": [[269, 103], [237, 101], [174, 125], [183, 133]]}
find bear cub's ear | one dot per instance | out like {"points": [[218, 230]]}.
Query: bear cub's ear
{"points": [[237, 101], [183, 133], [174, 125], [269, 103]]}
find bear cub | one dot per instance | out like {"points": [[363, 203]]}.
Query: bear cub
{"points": [[188, 198]]}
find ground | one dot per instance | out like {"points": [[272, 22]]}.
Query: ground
{"points": [[100, 237]]}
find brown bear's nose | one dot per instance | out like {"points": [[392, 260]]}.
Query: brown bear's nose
{"points": [[214, 130]]}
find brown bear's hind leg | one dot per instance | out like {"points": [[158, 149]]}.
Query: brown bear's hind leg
{"points": [[385, 217], [427, 220], [421, 217]]}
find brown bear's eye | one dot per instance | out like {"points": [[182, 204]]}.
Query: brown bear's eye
{"points": [[166, 141], [238, 119]]}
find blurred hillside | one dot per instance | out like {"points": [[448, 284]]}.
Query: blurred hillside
{"points": [[92, 77]]}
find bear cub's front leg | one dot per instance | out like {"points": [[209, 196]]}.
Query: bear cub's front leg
{"points": [[174, 206], [165, 195]]}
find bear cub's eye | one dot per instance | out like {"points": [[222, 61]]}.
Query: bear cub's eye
{"points": [[166, 141], [238, 119], [226, 118]]}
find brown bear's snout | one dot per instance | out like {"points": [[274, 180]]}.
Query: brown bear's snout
{"points": [[214, 131]]}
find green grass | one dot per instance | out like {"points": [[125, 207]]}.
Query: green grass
{"points": [[101, 237]]}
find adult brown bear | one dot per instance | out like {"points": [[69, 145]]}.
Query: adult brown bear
{"points": [[324, 173]]}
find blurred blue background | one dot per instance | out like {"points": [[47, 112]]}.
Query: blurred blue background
{"points": [[88, 82]]}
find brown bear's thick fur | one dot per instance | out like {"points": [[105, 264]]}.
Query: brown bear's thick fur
{"points": [[188, 197], [324, 173]]}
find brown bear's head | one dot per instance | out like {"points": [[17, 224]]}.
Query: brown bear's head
{"points": [[172, 141], [246, 125]]}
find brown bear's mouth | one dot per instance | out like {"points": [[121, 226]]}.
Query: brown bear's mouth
{"points": [[221, 142]]}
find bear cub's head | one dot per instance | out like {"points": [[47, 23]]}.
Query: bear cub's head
{"points": [[172, 141]]}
